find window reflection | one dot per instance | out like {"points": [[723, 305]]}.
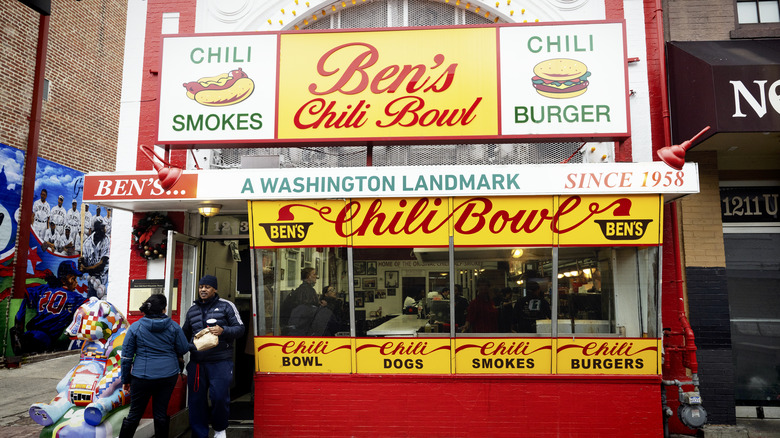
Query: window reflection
{"points": [[303, 292]]}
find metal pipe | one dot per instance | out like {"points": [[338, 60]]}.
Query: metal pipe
{"points": [[31, 160]]}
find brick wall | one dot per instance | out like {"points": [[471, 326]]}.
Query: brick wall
{"points": [[698, 20], [80, 120], [394, 406], [701, 225]]}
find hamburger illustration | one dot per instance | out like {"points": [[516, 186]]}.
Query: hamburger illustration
{"points": [[560, 78]]}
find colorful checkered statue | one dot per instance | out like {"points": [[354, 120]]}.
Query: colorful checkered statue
{"points": [[92, 391]]}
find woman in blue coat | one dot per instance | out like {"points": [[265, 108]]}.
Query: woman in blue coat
{"points": [[150, 365]]}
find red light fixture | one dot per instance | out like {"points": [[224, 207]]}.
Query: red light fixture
{"points": [[674, 155], [167, 173]]}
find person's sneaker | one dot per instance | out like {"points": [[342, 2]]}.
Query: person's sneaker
{"points": [[219, 434]]}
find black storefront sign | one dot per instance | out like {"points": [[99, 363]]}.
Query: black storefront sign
{"points": [[749, 204], [731, 86]]}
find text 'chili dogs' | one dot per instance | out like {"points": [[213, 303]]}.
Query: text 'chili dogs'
{"points": [[222, 90]]}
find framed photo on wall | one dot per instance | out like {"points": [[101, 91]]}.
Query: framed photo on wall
{"points": [[391, 292], [360, 268], [369, 283], [391, 280], [370, 268], [292, 268], [359, 299]]}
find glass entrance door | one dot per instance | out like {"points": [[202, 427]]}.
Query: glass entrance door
{"points": [[181, 273]]}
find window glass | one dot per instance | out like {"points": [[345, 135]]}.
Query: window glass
{"points": [[401, 291], [752, 274], [303, 291], [608, 291], [503, 291], [747, 13], [585, 300], [764, 11], [768, 11]]}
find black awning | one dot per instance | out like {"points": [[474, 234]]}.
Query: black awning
{"points": [[732, 86]]}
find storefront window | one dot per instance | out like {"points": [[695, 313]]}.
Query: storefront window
{"points": [[402, 292], [443, 270], [505, 290], [303, 291]]}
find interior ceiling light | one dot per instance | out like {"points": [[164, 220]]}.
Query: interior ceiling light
{"points": [[209, 210]]}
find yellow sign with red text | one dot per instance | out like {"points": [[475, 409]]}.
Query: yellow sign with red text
{"points": [[503, 356], [292, 224], [403, 355], [303, 355], [607, 356], [374, 86], [475, 221], [583, 356]]}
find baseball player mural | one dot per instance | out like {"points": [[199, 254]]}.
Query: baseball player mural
{"points": [[60, 248], [54, 303]]}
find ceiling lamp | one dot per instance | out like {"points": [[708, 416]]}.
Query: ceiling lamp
{"points": [[517, 253], [209, 210]]}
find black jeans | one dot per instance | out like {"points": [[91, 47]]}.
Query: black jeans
{"points": [[141, 390]]}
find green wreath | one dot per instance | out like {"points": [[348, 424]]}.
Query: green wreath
{"points": [[145, 229]]}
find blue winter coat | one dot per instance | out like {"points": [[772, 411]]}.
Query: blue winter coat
{"points": [[227, 317], [152, 348]]}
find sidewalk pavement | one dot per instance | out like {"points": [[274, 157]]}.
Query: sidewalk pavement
{"points": [[35, 381], [37, 377]]}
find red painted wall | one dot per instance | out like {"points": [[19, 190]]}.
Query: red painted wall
{"points": [[464, 406]]}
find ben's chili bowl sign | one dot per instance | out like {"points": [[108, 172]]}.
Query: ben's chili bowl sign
{"points": [[369, 84], [475, 221], [459, 83]]}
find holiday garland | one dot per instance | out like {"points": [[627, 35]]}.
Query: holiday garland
{"points": [[145, 229]]}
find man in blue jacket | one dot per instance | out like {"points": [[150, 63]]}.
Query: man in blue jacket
{"points": [[210, 372]]}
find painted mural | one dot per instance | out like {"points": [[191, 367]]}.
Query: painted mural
{"points": [[67, 261]]}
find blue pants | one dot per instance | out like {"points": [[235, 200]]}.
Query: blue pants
{"points": [[209, 380]]}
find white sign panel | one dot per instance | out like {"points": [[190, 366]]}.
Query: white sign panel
{"points": [[373, 182], [218, 88], [558, 80]]}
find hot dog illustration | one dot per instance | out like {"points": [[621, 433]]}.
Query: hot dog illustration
{"points": [[221, 90]]}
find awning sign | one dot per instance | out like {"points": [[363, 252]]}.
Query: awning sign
{"points": [[554, 81], [475, 221]]}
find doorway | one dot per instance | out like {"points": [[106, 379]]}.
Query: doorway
{"points": [[230, 261]]}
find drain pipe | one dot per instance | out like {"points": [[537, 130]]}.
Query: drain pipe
{"points": [[690, 411]]}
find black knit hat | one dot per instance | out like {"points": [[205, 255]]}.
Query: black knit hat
{"points": [[208, 280]]}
